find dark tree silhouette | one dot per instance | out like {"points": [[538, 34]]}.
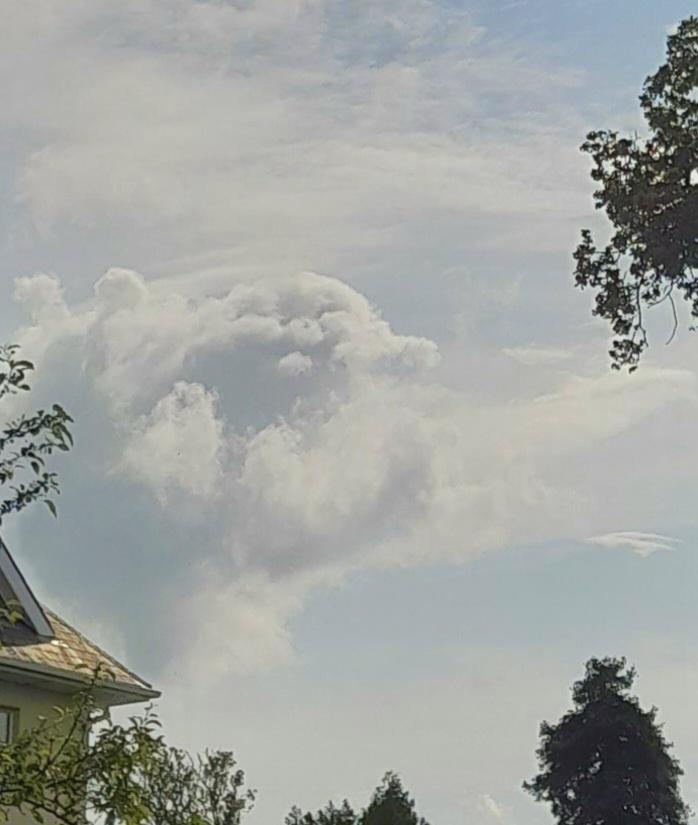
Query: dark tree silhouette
{"points": [[606, 761], [391, 805], [330, 815], [648, 188]]}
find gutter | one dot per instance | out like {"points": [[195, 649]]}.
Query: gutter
{"points": [[62, 681]]}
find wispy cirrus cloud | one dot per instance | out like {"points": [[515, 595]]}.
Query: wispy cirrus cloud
{"points": [[643, 544], [359, 120]]}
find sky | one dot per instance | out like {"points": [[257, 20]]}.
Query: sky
{"points": [[353, 482]]}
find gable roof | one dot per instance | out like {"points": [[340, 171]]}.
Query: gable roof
{"points": [[66, 662], [14, 591], [43, 650]]}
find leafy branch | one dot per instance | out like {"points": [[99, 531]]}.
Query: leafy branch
{"points": [[648, 190], [27, 441], [78, 764]]}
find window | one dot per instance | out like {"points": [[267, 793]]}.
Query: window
{"points": [[8, 724]]}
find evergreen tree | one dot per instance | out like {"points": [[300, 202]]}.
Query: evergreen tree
{"points": [[330, 815], [296, 817], [337, 816], [606, 762], [391, 805]]}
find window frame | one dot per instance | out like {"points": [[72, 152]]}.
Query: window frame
{"points": [[12, 723]]}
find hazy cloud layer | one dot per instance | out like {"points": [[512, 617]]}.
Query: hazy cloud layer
{"points": [[335, 129], [532, 356]]}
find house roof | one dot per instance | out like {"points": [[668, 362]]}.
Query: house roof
{"points": [[42, 649], [69, 658], [16, 593]]}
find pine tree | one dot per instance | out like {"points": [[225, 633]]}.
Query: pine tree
{"points": [[296, 817], [343, 815], [330, 815], [391, 805], [606, 762]]}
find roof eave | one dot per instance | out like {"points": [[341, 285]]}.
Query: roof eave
{"points": [[61, 681]]}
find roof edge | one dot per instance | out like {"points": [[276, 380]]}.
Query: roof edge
{"points": [[46, 675], [24, 594], [107, 656]]}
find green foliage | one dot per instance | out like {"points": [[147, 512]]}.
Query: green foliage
{"points": [[27, 441], [649, 190], [606, 761], [330, 815], [206, 790], [390, 805], [79, 764]]}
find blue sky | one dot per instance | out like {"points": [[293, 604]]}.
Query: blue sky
{"points": [[353, 482]]}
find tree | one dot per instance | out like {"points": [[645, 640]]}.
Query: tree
{"points": [[648, 188], [26, 441], [119, 774], [204, 790], [330, 815], [391, 805], [79, 765], [606, 761], [296, 817]]}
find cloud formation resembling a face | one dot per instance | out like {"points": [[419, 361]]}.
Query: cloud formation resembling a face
{"points": [[297, 437]]}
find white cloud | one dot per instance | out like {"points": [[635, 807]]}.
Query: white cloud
{"points": [[140, 330], [42, 297], [532, 356], [140, 128], [491, 808], [644, 544], [240, 626], [373, 463], [178, 445], [244, 440], [360, 121], [295, 363]]}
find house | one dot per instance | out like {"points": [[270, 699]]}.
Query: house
{"points": [[44, 662]]}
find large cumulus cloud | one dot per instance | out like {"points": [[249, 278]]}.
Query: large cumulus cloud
{"points": [[286, 435]]}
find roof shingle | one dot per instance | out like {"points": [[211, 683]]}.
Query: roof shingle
{"points": [[69, 653]]}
